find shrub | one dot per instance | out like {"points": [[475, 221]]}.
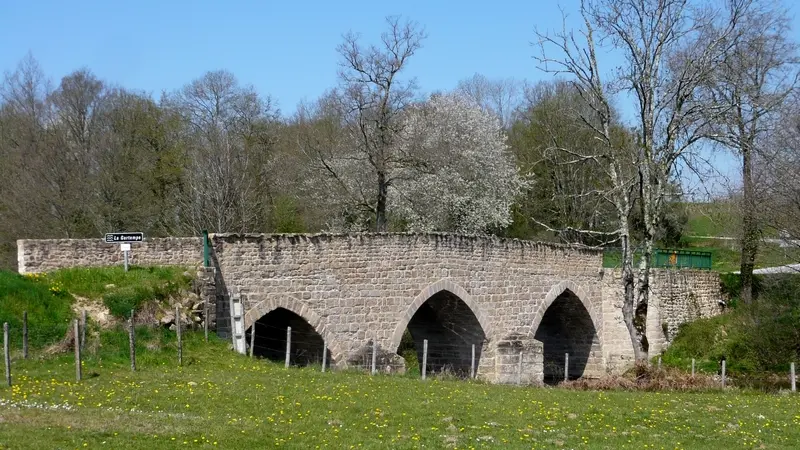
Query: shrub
{"points": [[120, 302], [761, 337]]}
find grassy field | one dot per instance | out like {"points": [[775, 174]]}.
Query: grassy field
{"points": [[706, 220], [712, 219], [223, 400]]}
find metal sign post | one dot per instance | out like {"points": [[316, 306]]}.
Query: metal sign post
{"points": [[124, 240], [125, 249]]}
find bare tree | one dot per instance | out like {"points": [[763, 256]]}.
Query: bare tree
{"points": [[368, 102], [139, 163], [77, 100], [502, 97], [47, 189], [229, 137], [752, 83], [669, 48], [567, 193], [778, 174]]}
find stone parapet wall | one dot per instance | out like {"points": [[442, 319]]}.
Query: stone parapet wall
{"points": [[677, 296], [359, 287], [686, 295], [43, 255]]}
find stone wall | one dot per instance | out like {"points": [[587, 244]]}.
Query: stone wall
{"points": [[519, 360], [42, 255], [684, 296], [677, 296], [453, 290], [354, 288]]}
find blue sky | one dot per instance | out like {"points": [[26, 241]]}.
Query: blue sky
{"points": [[285, 49]]}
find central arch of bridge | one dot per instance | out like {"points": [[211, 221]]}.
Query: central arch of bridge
{"points": [[446, 316], [568, 327]]}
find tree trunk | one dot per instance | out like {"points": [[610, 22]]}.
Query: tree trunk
{"points": [[641, 346], [380, 210], [629, 299], [750, 233]]}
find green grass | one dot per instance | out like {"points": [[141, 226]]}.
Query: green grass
{"points": [[47, 304], [712, 219], [95, 282], [222, 400], [47, 297]]}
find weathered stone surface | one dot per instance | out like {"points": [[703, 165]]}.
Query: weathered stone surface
{"points": [[456, 291], [42, 255]]}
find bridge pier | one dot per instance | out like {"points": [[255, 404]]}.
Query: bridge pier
{"points": [[507, 367]]}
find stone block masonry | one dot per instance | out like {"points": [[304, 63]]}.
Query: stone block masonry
{"points": [[504, 296], [43, 255], [677, 296], [355, 288]]}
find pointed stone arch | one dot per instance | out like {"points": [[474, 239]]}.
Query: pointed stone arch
{"points": [[427, 293], [554, 293], [298, 307], [566, 321]]}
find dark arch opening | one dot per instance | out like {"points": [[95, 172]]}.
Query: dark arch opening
{"points": [[270, 338], [451, 329], [567, 327]]}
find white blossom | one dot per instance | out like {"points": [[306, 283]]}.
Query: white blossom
{"points": [[466, 178]]}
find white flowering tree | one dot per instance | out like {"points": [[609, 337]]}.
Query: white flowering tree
{"points": [[451, 168], [466, 179]]}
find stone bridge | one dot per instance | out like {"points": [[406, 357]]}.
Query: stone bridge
{"points": [[508, 298]]}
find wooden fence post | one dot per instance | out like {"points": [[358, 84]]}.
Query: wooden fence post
{"points": [[692, 366], [566, 366], [205, 318], [83, 329], [180, 336], [424, 358], [374, 356], [324, 354], [519, 369], [7, 354], [472, 363], [723, 373], [252, 339], [288, 345], [24, 334], [132, 343], [794, 379], [77, 342]]}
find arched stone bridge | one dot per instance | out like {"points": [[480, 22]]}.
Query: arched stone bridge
{"points": [[509, 298], [504, 296]]}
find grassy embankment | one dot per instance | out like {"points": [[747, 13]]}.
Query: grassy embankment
{"points": [[48, 298], [758, 341], [223, 400]]}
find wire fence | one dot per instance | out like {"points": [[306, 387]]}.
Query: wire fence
{"points": [[302, 346]]}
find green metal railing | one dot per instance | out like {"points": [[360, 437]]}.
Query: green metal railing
{"points": [[662, 258], [673, 258], [206, 250]]}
